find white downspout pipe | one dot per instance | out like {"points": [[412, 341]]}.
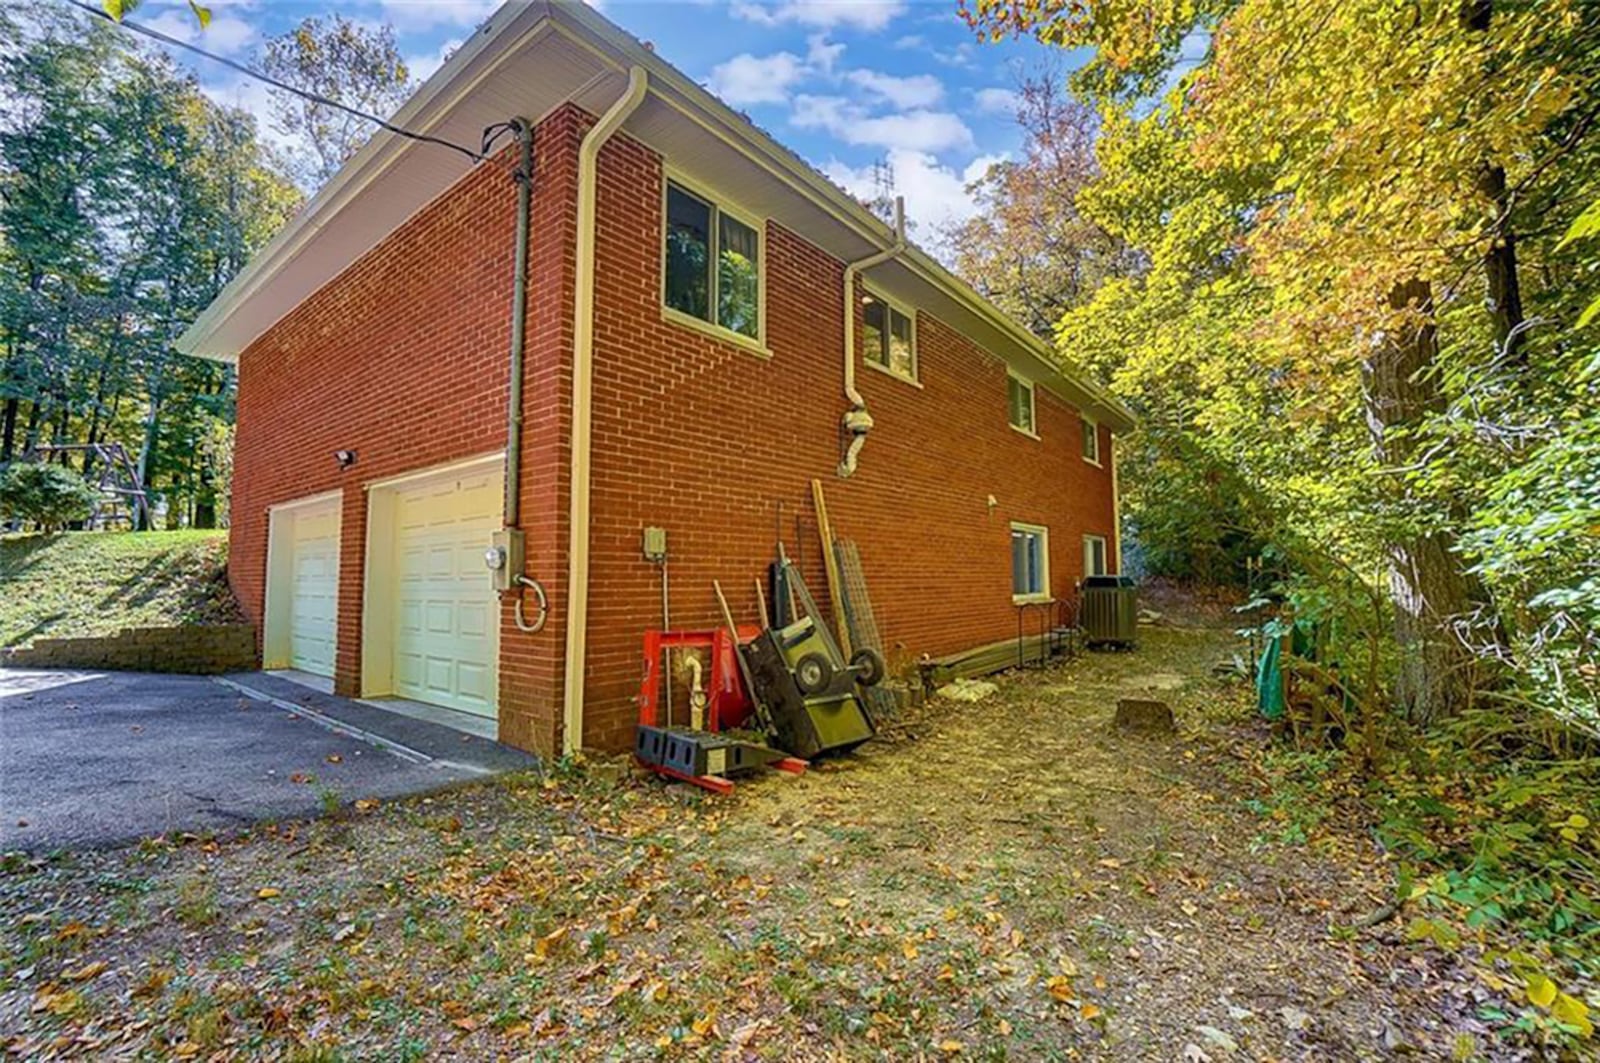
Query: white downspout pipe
{"points": [[582, 408], [857, 421]]}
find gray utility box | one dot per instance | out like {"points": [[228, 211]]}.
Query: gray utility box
{"points": [[1110, 611]]}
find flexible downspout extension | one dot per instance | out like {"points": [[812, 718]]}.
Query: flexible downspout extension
{"points": [[582, 411], [857, 421]]}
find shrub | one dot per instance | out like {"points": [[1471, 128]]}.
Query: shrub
{"points": [[49, 496]]}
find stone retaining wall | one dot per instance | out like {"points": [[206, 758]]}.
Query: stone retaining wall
{"points": [[193, 649]]}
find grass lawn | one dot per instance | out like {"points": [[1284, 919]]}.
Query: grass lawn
{"points": [[97, 583], [1012, 879]]}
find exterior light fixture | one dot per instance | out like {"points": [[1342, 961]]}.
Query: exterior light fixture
{"points": [[345, 458]]}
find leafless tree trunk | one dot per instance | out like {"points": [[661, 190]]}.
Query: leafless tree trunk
{"points": [[1432, 591]]}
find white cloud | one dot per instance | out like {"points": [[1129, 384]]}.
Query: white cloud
{"points": [[423, 66], [920, 90], [860, 14], [996, 101], [822, 54], [226, 34], [917, 130], [416, 15], [749, 79], [910, 41], [936, 196]]}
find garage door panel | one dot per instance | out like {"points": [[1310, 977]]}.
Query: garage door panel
{"points": [[446, 632], [312, 544]]}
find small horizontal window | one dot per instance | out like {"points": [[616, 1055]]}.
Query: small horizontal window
{"points": [[723, 287], [1030, 562], [890, 337], [1020, 396]]}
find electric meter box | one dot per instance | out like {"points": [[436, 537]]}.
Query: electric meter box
{"points": [[505, 557], [655, 544]]}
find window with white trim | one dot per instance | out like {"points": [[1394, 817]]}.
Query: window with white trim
{"points": [[1094, 556], [1030, 563], [1091, 440], [888, 336], [1019, 397], [712, 264]]}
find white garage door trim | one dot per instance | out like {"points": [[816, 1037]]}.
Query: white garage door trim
{"points": [[387, 652], [302, 587]]}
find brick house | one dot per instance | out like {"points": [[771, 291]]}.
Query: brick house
{"points": [[683, 367]]}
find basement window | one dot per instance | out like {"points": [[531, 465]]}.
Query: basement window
{"points": [[1030, 563], [1019, 395], [712, 268], [889, 337], [1091, 440]]}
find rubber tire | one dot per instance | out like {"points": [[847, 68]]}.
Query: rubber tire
{"points": [[813, 674], [868, 666]]}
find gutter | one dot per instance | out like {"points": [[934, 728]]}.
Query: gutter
{"points": [[582, 407], [857, 421]]}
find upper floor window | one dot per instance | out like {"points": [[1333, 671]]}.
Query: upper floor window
{"points": [[1019, 394], [713, 264], [889, 339], [1091, 440]]}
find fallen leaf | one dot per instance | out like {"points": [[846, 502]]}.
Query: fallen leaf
{"points": [[266, 893], [334, 758], [366, 804], [950, 1047], [1541, 990], [839, 902], [1218, 1038], [1573, 1012], [1088, 1011], [1060, 987], [86, 972]]}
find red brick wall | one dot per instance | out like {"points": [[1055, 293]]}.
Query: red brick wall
{"points": [[403, 359], [706, 439]]}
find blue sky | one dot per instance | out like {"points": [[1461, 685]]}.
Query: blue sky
{"points": [[843, 82]]}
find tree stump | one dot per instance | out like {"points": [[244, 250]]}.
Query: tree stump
{"points": [[1144, 716]]}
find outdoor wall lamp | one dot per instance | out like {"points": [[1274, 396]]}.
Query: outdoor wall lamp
{"points": [[345, 458]]}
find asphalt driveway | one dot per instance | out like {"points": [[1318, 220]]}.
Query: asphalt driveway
{"points": [[92, 759]]}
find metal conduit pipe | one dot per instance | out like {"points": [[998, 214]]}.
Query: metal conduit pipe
{"points": [[857, 421], [519, 318], [582, 410]]}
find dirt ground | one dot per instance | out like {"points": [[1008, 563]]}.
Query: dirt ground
{"points": [[1010, 879]]}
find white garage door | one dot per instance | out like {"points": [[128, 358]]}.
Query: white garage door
{"points": [[313, 570], [446, 612]]}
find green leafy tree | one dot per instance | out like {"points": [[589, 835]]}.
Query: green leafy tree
{"points": [[128, 200], [340, 60], [1339, 307], [48, 496]]}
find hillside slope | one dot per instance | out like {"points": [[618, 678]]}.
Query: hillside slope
{"points": [[97, 583]]}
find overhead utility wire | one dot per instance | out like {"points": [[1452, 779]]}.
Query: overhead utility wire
{"points": [[155, 34]]}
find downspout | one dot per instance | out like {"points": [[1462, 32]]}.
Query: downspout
{"points": [[1116, 511], [582, 411], [857, 421]]}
